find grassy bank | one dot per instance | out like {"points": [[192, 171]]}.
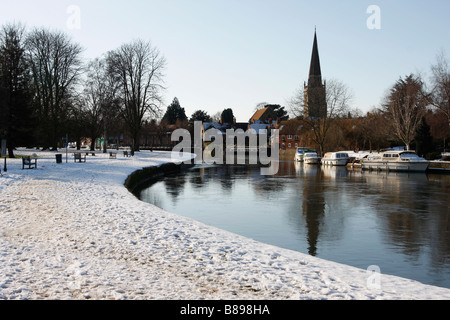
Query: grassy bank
{"points": [[140, 179]]}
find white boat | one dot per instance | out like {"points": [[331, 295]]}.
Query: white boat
{"points": [[335, 159], [311, 158], [301, 152], [396, 161]]}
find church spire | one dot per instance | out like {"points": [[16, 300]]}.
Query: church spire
{"points": [[315, 73], [315, 92]]}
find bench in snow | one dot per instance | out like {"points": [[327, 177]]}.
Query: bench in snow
{"points": [[29, 163]]}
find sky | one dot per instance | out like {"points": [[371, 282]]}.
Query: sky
{"points": [[238, 53]]}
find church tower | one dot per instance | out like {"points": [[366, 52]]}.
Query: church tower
{"points": [[315, 104]]}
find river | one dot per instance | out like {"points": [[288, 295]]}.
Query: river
{"points": [[399, 222]]}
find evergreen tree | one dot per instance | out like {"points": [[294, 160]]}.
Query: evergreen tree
{"points": [[15, 93], [227, 116], [200, 115], [423, 139], [280, 111], [175, 113]]}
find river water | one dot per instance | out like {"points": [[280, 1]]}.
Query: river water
{"points": [[399, 222]]}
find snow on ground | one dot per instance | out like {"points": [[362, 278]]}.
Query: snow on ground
{"points": [[72, 231]]}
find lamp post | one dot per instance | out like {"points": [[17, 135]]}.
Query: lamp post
{"points": [[67, 145], [4, 151]]}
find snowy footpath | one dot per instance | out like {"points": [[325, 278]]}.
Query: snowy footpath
{"points": [[72, 231]]}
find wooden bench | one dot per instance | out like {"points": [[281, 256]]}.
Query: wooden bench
{"points": [[126, 154], [79, 157], [113, 155], [30, 163]]}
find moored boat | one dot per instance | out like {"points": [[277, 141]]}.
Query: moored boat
{"points": [[299, 155], [335, 159], [396, 161], [311, 158]]}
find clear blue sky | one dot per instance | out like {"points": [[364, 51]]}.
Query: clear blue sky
{"points": [[238, 53]]}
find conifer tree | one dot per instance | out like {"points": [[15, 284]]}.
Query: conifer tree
{"points": [[16, 121], [423, 139]]}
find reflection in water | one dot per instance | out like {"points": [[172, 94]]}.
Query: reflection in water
{"points": [[175, 186], [313, 208], [415, 214], [397, 221]]}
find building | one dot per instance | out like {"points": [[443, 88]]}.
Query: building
{"points": [[315, 104], [263, 122], [291, 134], [221, 129], [265, 115]]}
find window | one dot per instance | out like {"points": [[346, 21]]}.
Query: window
{"points": [[289, 137], [296, 137], [289, 145]]}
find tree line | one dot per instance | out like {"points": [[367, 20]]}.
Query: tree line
{"points": [[47, 90], [413, 112]]}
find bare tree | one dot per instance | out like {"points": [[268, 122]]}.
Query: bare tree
{"points": [[216, 116], [440, 81], [405, 106], [374, 130], [139, 69], [99, 100], [260, 106], [56, 66], [337, 100], [76, 124]]}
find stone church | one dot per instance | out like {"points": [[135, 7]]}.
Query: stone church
{"points": [[315, 103]]}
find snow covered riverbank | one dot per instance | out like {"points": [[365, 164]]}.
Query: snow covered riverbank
{"points": [[72, 231]]}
